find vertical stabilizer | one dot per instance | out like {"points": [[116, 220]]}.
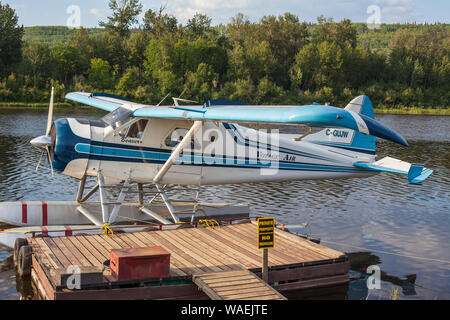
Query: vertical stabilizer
{"points": [[346, 138]]}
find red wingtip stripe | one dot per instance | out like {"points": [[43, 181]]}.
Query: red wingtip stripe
{"points": [[68, 231], [24, 213], [44, 214]]}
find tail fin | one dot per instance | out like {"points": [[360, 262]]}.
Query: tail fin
{"points": [[346, 138]]}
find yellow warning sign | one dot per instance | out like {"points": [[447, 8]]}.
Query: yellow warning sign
{"points": [[266, 233]]}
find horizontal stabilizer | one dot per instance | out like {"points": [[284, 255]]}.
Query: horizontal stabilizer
{"points": [[416, 173]]}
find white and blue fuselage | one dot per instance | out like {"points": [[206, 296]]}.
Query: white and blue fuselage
{"points": [[219, 153]]}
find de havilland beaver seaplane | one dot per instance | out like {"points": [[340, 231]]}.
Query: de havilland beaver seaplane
{"points": [[219, 142]]}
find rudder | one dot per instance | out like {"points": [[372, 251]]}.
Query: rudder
{"points": [[346, 138]]}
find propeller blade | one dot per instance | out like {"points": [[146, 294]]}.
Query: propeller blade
{"points": [[49, 159], [50, 113], [39, 162]]}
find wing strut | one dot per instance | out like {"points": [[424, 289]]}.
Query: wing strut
{"points": [[173, 157], [176, 153]]}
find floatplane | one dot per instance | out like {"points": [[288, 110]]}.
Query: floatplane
{"points": [[220, 142]]}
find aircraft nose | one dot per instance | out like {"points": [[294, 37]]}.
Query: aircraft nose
{"points": [[42, 142]]}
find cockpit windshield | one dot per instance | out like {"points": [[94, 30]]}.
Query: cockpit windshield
{"points": [[118, 117]]}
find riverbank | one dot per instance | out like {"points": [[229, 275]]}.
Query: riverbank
{"points": [[68, 105], [414, 111], [36, 105]]}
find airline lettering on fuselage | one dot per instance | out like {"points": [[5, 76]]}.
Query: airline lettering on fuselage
{"points": [[275, 156], [337, 133], [128, 140]]}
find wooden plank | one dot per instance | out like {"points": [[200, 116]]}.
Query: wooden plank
{"points": [[240, 252], [282, 245], [231, 287], [121, 237], [265, 298], [174, 263], [325, 251], [212, 257], [81, 258], [42, 257], [176, 257], [313, 283], [136, 240], [276, 256], [147, 243], [288, 245], [191, 263], [78, 242], [48, 253], [40, 294], [210, 292], [68, 253], [241, 278], [244, 241], [258, 293], [250, 286], [222, 275], [119, 243], [309, 272], [94, 253], [43, 280], [101, 246], [138, 293], [196, 253], [57, 252], [228, 256]]}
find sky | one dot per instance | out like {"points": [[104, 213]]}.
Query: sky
{"points": [[65, 12]]}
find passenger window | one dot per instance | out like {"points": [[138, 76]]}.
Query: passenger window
{"points": [[175, 137], [137, 129]]}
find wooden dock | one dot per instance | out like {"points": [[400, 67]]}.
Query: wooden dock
{"points": [[197, 255], [235, 285]]}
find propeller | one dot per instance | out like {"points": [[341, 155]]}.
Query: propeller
{"points": [[44, 143]]}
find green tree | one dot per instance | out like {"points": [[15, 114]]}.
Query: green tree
{"points": [[159, 23], [65, 62], [198, 25], [37, 62], [337, 32], [10, 39], [100, 74], [129, 82], [124, 16], [285, 36]]}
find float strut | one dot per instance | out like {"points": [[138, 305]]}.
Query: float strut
{"points": [[81, 189], [103, 198]]}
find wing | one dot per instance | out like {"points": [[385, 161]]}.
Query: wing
{"points": [[104, 101], [310, 115], [229, 111]]}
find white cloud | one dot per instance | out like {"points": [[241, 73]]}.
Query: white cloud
{"points": [[95, 12], [221, 11]]}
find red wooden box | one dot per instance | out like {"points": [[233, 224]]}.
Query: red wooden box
{"points": [[139, 263]]}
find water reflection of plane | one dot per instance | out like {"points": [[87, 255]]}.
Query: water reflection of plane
{"points": [[360, 261]]}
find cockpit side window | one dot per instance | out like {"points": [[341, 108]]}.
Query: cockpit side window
{"points": [[137, 129], [117, 118]]}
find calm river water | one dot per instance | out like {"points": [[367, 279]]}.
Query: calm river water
{"points": [[367, 218]]}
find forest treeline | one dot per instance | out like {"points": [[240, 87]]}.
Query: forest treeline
{"points": [[277, 60]]}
